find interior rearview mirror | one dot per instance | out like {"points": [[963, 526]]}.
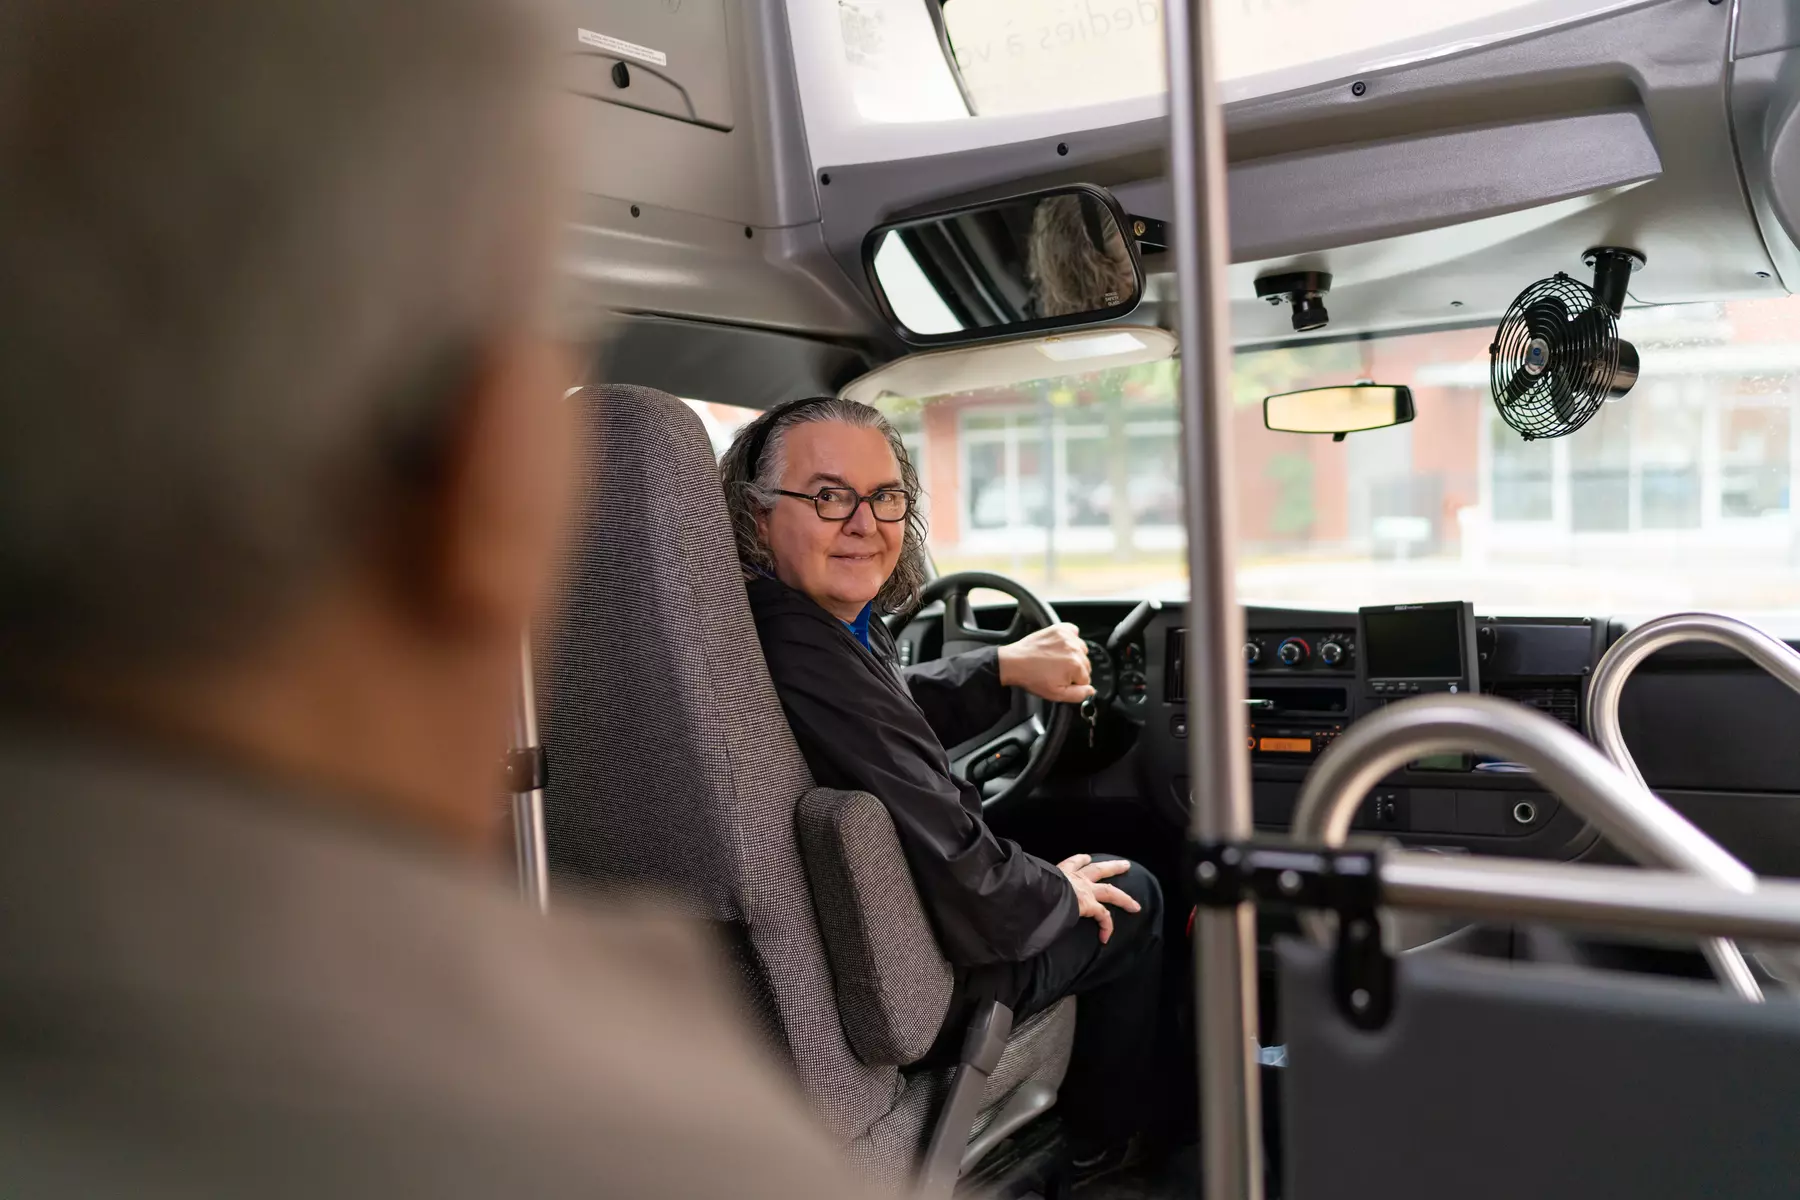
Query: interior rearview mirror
{"points": [[1352, 408], [1046, 260]]}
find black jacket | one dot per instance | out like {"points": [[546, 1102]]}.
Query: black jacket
{"points": [[863, 724]]}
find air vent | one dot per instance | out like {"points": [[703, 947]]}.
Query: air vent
{"points": [[1559, 700]]}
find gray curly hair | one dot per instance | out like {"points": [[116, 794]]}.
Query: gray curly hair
{"points": [[752, 469], [334, 207], [1069, 273]]}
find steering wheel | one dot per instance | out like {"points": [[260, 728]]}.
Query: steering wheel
{"points": [[1028, 739]]}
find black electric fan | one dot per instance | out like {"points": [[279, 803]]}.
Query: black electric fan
{"points": [[1557, 356]]}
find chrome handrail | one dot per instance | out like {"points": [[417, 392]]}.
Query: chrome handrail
{"points": [[1628, 814], [1770, 653], [1622, 899], [1607, 689]]}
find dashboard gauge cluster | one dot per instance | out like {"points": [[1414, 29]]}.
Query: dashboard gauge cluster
{"points": [[1121, 678], [1134, 688]]}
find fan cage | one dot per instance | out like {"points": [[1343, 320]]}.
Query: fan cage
{"points": [[1582, 355]]}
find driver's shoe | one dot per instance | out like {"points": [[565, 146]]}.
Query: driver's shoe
{"points": [[1087, 1169]]}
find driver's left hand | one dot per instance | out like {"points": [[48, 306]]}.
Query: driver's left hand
{"points": [[1052, 663]]}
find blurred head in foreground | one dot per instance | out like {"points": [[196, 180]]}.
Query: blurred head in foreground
{"points": [[282, 465], [280, 479]]}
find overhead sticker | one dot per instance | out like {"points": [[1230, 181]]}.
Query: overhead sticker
{"points": [[622, 48]]}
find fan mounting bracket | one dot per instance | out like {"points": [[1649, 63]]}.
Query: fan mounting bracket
{"points": [[1613, 267]]}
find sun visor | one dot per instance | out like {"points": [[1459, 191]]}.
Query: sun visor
{"points": [[972, 368]]}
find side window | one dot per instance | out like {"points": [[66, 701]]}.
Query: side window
{"points": [[722, 421], [1055, 482]]}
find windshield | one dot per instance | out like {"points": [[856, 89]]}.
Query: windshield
{"points": [[1678, 496]]}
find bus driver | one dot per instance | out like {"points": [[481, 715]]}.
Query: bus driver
{"points": [[824, 504]]}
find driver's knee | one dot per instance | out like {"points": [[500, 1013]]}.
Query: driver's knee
{"points": [[1142, 928]]}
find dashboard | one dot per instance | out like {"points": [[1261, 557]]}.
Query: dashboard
{"points": [[1310, 675], [1711, 733]]}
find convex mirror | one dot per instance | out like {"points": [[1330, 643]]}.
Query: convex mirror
{"points": [[1338, 411], [1046, 260]]}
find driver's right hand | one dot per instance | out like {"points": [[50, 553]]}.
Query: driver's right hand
{"points": [[1092, 894], [1051, 662]]}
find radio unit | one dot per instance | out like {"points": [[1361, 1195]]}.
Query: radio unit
{"points": [[1295, 724], [1284, 739]]}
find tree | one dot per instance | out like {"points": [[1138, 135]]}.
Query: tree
{"points": [[1294, 513]]}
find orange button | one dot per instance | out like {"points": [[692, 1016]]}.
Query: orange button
{"points": [[1286, 746]]}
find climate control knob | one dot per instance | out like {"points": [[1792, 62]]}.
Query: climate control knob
{"points": [[1293, 652], [1252, 654], [1331, 654]]}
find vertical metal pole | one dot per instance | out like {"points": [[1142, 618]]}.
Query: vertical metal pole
{"points": [[1224, 939], [528, 807]]}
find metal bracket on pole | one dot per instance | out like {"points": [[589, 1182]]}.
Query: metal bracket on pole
{"points": [[1362, 971], [527, 770], [1345, 882]]}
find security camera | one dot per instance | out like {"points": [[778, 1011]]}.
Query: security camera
{"points": [[1305, 290]]}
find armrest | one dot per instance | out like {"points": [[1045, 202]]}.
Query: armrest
{"points": [[893, 985]]}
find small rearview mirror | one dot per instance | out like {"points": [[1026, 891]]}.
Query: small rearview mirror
{"points": [[1339, 410], [1046, 260]]}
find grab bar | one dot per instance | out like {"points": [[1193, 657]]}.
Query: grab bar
{"points": [[1629, 652], [1623, 899], [1628, 814], [1771, 654]]}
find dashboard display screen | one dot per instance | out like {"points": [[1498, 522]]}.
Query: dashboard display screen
{"points": [[1416, 643]]}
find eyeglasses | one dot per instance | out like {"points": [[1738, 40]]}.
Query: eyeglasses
{"points": [[840, 504]]}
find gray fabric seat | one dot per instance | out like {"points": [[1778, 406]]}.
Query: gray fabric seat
{"points": [[672, 769]]}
